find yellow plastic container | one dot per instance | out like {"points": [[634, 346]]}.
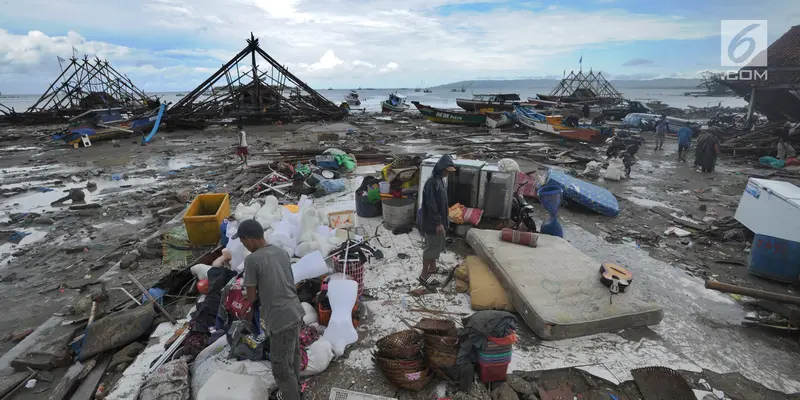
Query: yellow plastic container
{"points": [[204, 217]]}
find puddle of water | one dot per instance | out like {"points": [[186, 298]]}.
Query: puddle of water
{"points": [[7, 248], [649, 203], [19, 148], [417, 141], [38, 201]]}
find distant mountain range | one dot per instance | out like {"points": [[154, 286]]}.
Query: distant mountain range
{"points": [[517, 84]]}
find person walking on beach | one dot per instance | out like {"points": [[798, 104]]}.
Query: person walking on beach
{"points": [[662, 126], [706, 152], [434, 220], [241, 151], [587, 112], [684, 141], [268, 278]]}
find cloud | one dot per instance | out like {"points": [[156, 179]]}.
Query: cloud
{"points": [[392, 66], [360, 43], [638, 62]]}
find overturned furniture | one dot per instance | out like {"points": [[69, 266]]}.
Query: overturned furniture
{"points": [[557, 289], [84, 85], [253, 93]]}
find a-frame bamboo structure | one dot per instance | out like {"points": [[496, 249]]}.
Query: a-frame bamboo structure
{"points": [[586, 87], [86, 84], [245, 90]]}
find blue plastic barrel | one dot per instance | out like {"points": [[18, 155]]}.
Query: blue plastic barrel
{"points": [[775, 258], [550, 197]]}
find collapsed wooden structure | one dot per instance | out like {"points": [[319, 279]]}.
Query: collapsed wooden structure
{"points": [[86, 84], [580, 87], [249, 92], [773, 90]]}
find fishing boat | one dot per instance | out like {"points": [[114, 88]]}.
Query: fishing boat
{"points": [[395, 103], [352, 98], [427, 91], [107, 124], [554, 125], [179, 95], [489, 102], [657, 105], [450, 117]]}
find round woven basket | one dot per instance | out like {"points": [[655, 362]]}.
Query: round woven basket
{"points": [[393, 364], [442, 327], [418, 382], [404, 344]]}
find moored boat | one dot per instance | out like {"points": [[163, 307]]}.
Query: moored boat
{"points": [[450, 117], [395, 103], [427, 91], [550, 125], [489, 102]]}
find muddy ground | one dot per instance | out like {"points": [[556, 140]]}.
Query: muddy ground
{"points": [[141, 187]]}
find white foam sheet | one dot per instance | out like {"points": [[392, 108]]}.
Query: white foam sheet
{"points": [[557, 289]]}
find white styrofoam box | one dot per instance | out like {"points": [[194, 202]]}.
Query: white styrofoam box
{"points": [[771, 208], [342, 394]]}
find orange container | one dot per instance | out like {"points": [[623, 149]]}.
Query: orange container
{"points": [[204, 217], [325, 315]]}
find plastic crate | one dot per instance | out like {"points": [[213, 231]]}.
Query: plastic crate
{"points": [[342, 394], [204, 217], [492, 372], [327, 161]]}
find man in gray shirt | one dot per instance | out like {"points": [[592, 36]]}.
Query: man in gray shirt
{"points": [[268, 275]]}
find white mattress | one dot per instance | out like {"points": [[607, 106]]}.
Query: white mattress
{"points": [[557, 290]]}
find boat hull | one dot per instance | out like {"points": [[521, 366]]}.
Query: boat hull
{"points": [[97, 134], [389, 108], [448, 117], [475, 105], [580, 134]]}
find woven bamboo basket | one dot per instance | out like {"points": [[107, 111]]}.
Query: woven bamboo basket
{"points": [[443, 327], [404, 344], [416, 384]]}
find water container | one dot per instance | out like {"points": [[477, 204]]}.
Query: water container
{"points": [[384, 187], [550, 197], [775, 258], [398, 213]]}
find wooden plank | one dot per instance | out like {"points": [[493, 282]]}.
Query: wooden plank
{"points": [[88, 387], [74, 374]]}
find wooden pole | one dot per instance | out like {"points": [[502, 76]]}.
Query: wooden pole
{"points": [[755, 293]]}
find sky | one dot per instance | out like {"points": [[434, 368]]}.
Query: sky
{"points": [[174, 45]]}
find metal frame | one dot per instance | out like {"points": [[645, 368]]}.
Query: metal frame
{"points": [[84, 77], [254, 94], [595, 82]]}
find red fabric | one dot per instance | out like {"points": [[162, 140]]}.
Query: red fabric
{"points": [[524, 238], [529, 190], [792, 161], [242, 151], [236, 302], [473, 215]]}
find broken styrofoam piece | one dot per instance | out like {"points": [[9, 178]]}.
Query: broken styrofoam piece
{"points": [[217, 360], [677, 232], [243, 212], [310, 266], [311, 315], [225, 385], [238, 252], [341, 332]]}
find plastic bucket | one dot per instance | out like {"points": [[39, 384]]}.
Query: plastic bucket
{"points": [[384, 187], [398, 213], [365, 209]]}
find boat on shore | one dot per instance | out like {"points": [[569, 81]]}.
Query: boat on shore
{"points": [[352, 98], [107, 124], [395, 103], [450, 117], [489, 102], [427, 91], [551, 125]]}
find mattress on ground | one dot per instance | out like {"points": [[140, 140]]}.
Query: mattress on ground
{"points": [[594, 197], [557, 290]]}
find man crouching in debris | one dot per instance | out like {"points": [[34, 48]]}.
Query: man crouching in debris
{"points": [[434, 220], [268, 274]]}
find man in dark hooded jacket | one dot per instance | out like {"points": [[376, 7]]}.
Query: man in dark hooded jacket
{"points": [[434, 219]]}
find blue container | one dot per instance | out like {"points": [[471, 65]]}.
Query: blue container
{"points": [[775, 258], [550, 197]]}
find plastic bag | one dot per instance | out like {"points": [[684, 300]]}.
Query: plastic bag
{"points": [[311, 315], [592, 169], [615, 170], [320, 354], [508, 165], [331, 186], [346, 163]]}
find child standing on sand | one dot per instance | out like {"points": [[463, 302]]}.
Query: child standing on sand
{"points": [[241, 151]]}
